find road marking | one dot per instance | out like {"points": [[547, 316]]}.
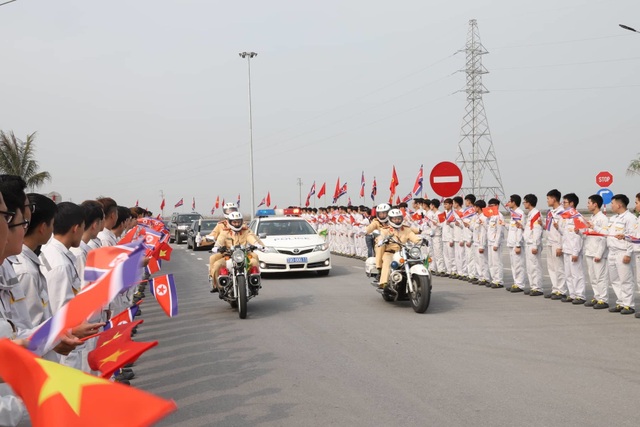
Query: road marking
{"points": [[199, 259], [357, 266]]}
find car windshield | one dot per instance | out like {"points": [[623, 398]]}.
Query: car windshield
{"points": [[285, 227], [208, 225], [188, 218]]}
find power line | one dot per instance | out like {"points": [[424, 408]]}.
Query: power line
{"points": [[569, 64], [566, 88], [559, 42]]}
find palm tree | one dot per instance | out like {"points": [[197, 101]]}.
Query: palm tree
{"points": [[634, 167], [17, 158]]}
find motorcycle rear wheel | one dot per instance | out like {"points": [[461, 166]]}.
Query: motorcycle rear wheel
{"points": [[421, 295], [242, 296]]}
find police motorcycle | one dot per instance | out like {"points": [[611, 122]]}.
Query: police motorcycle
{"points": [[239, 281], [409, 277]]}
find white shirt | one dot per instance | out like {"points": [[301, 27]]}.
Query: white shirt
{"points": [[532, 233], [514, 234], [81, 259], [33, 285], [107, 238], [59, 269], [596, 246], [623, 223], [13, 300]]}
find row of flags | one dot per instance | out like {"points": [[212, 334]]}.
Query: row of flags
{"points": [[341, 189], [56, 395], [216, 205]]}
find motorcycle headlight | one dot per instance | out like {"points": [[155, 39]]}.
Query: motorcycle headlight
{"points": [[238, 256], [415, 253], [320, 248], [270, 250]]}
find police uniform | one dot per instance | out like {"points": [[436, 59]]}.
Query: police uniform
{"points": [[403, 235], [376, 224], [229, 238], [214, 234]]}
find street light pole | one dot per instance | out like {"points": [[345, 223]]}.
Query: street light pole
{"points": [[626, 27], [250, 55]]}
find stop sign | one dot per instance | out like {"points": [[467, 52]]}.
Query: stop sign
{"points": [[446, 179], [604, 179]]}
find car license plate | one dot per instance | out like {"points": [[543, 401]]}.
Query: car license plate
{"points": [[295, 260]]}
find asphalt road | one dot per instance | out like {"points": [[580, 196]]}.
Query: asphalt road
{"points": [[318, 351]]}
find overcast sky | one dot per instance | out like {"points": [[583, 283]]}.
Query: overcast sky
{"points": [[131, 98]]}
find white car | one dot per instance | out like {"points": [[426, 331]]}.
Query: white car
{"points": [[291, 243]]}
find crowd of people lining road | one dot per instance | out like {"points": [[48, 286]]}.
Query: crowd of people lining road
{"points": [[467, 238], [43, 251]]}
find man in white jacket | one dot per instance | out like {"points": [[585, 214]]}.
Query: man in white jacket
{"points": [[572, 252], [595, 254], [515, 244], [555, 260], [621, 255], [532, 235]]}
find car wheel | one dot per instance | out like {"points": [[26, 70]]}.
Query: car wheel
{"points": [[171, 239], [177, 238]]}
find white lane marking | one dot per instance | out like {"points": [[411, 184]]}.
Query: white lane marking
{"points": [[199, 259], [357, 266], [443, 179]]}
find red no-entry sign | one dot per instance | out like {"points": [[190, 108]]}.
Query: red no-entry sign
{"points": [[446, 179], [604, 179]]}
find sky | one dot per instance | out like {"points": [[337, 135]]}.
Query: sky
{"points": [[136, 100]]}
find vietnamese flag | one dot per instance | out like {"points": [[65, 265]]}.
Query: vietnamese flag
{"points": [[164, 289], [490, 211], [580, 223], [397, 200], [323, 190], [268, 199], [442, 217], [165, 251], [394, 181], [217, 201], [115, 333], [109, 359], [59, 396], [162, 205]]}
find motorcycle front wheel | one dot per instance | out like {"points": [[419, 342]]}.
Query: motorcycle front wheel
{"points": [[421, 295], [242, 296]]}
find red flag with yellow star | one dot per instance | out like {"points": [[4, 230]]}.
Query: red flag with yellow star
{"points": [[59, 396], [117, 353]]}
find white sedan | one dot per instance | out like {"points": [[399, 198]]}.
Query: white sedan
{"points": [[291, 244]]}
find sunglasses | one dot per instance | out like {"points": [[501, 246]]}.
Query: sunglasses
{"points": [[8, 216]]}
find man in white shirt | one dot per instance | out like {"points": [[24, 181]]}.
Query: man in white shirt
{"points": [[110, 209], [532, 235], [555, 260], [515, 243], [495, 238], [595, 254], [480, 245], [572, 253], [621, 255]]}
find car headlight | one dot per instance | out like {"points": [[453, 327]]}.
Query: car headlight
{"points": [[415, 253], [270, 250], [238, 256], [320, 248]]}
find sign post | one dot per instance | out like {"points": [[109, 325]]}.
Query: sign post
{"points": [[446, 179]]}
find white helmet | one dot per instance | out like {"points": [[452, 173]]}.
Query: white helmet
{"points": [[383, 208], [395, 218], [235, 217], [228, 208]]}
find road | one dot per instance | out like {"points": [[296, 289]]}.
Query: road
{"points": [[318, 351]]}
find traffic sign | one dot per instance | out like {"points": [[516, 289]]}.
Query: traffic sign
{"points": [[604, 179], [446, 179], [606, 195]]}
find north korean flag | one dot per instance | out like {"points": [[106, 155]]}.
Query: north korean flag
{"points": [[163, 288]]}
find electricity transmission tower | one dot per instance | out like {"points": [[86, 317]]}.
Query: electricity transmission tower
{"points": [[476, 156]]}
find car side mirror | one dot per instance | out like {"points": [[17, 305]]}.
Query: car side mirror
{"points": [[262, 235]]}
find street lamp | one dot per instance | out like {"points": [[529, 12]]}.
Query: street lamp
{"points": [[626, 27], [250, 55]]}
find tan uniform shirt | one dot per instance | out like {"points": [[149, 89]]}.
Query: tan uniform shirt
{"points": [[215, 233], [402, 234], [229, 238]]}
